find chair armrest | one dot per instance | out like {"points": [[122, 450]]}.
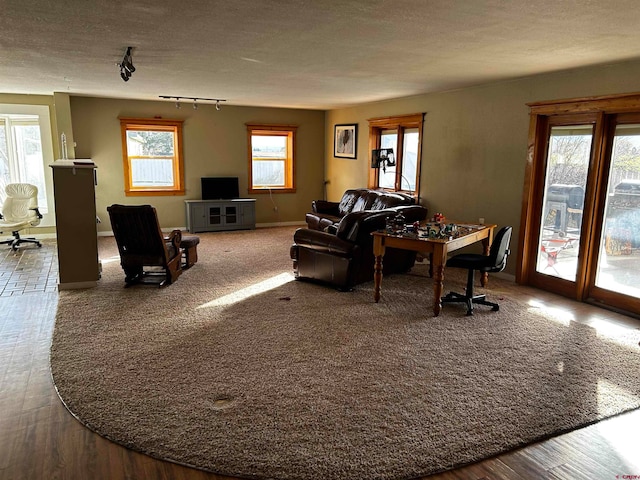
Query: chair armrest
{"points": [[38, 214], [324, 242], [175, 237], [323, 206]]}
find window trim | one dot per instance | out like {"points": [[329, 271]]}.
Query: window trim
{"points": [[290, 162], [17, 169], [399, 123], [153, 124]]}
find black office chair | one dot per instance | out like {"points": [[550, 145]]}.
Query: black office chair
{"points": [[496, 261]]}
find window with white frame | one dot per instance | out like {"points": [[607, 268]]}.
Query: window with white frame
{"points": [[21, 154]]}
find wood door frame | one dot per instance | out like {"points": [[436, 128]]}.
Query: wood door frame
{"points": [[543, 115], [532, 204]]}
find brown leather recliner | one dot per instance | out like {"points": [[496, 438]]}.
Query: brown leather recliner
{"points": [[345, 258], [325, 214]]}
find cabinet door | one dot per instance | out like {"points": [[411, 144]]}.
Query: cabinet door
{"points": [[231, 216], [198, 218], [214, 216], [248, 215]]}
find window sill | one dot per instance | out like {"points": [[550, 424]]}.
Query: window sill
{"points": [[271, 190], [153, 193]]}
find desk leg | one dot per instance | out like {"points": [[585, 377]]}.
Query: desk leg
{"points": [[377, 278], [378, 251], [486, 246], [439, 259]]}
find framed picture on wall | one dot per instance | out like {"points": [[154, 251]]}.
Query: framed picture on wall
{"points": [[345, 140]]}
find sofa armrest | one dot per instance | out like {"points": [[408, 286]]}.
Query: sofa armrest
{"points": [[324, 242], [412, 213], [358, 226], [323, 206]]}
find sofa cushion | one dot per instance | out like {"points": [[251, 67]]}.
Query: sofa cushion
{"points": [[362, 203], [349, 199], [387, 200], [326, 213]]}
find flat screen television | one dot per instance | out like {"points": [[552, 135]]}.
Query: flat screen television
{"points": [[220, 188]]}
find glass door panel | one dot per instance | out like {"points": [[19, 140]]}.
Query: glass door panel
{"points": [[215, 215], [618, 268], [231, 215], [567, 168], [388, 139], [409, 159]]}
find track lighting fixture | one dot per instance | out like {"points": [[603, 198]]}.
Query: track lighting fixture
{"points": [[126, 66], [195, 101]]}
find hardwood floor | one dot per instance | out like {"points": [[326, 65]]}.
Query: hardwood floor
{"points": [[39, 439]]}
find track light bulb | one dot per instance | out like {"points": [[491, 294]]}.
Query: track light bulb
{"points": [[195, 104], [126, 66]]}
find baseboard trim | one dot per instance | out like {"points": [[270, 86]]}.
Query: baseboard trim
{"points": [[280, 224], [184, 229], [76, 285], [505, 276], [39, 236]]}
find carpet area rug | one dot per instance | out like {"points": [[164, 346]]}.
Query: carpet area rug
{"points": [[241, 370]]}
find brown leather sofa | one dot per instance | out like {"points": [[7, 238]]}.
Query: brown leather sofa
{"points": [[325, 214], [342, 256]]}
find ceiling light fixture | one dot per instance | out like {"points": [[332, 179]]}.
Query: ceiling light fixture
{"points": [[195, 100], [126, 66]]}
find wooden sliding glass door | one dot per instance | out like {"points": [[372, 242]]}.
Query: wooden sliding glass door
{"points": [[615, 278], [580, 229]]}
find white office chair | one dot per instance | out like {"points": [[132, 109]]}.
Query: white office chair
{"points": [[19, 211]]}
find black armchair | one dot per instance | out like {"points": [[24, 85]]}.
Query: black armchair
{"points": [[496, 261], [142, 244]]}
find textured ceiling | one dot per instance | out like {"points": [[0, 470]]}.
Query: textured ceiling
{"points": [[317, 54]]}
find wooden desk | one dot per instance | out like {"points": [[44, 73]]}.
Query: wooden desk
{"points": [[437, 248]]}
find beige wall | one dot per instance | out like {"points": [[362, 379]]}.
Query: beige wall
{"points": [[474, 142], [215, 144]]}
